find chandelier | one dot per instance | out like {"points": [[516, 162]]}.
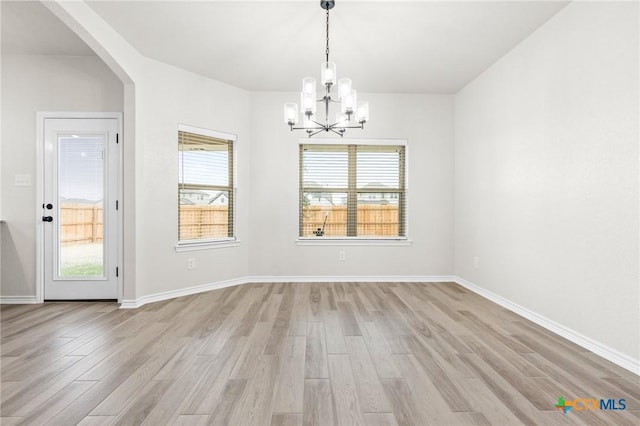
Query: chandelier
{"points": [[351, 111]]}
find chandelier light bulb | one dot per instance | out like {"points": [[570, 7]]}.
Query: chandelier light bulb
{"points": [[309, 85], [328, 75]]}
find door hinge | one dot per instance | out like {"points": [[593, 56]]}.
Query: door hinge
{"points": [[116, 204], [117, 272], [117, 138]]}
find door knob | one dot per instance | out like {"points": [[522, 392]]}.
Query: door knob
{"points": [[47, 218], [49, 206]]}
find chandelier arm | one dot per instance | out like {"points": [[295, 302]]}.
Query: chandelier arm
{"points": [[315, 133], [320, 128], [327, 99], [335, 126]]}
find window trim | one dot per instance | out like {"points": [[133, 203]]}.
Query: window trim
{"points": [[192, 245], [202, 244], [355, 240]]}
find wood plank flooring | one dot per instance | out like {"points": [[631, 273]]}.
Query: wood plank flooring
{"points": [[299, 354]]}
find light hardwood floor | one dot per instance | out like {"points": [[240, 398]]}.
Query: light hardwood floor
{"points": [[299, 354]]}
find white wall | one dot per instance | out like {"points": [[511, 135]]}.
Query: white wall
{"points": [[425, 121], [165, 97], [155, 98], [546, 174], [30, 84]]}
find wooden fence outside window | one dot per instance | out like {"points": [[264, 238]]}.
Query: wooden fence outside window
{"points": [[203, 222], [81, 223], [375, 220]]}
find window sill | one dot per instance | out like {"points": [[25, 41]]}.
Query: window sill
{"points": [[206, 245], [321, 241]]}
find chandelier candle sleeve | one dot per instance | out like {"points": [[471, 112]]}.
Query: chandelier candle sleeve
{"points": [[309, 85], [350, 111], [291, 114], [344, 87], [308, 101], [349, 102], [328, 71], [363, 112]]}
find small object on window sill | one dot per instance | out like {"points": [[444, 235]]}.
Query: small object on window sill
{"points": [[320, 231]]}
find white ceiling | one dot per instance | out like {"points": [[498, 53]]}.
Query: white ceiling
{"points": [[392, 46]]}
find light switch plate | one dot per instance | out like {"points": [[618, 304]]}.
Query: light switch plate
{"points": [[22, 180]]}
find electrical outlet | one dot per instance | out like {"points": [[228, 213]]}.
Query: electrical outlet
{"points": [[191, 263], [342, 255], [476, 262], [22, 180]]}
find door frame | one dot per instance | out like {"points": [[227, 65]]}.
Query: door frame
{"points": [[41, 116]]}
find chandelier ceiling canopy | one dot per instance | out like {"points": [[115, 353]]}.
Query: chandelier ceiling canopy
{"points": [[352, 114]]}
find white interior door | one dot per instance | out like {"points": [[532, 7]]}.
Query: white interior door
{"points": [[79, 210]]}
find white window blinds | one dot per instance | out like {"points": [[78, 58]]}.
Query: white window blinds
{"points": [[352, 191], [205, 187]]}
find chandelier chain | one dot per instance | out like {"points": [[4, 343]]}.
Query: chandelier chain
{"points": [[327, 35]]}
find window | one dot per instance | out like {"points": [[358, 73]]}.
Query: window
{"points": [[205, 185], [356, 190]]}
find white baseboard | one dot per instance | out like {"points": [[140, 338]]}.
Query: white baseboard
{"points": [[157, 297], [351, 279], [618, 358], [18, 300], [172, 294]]}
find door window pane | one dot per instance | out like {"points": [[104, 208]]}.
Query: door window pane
{"points": [[80, 206]]}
